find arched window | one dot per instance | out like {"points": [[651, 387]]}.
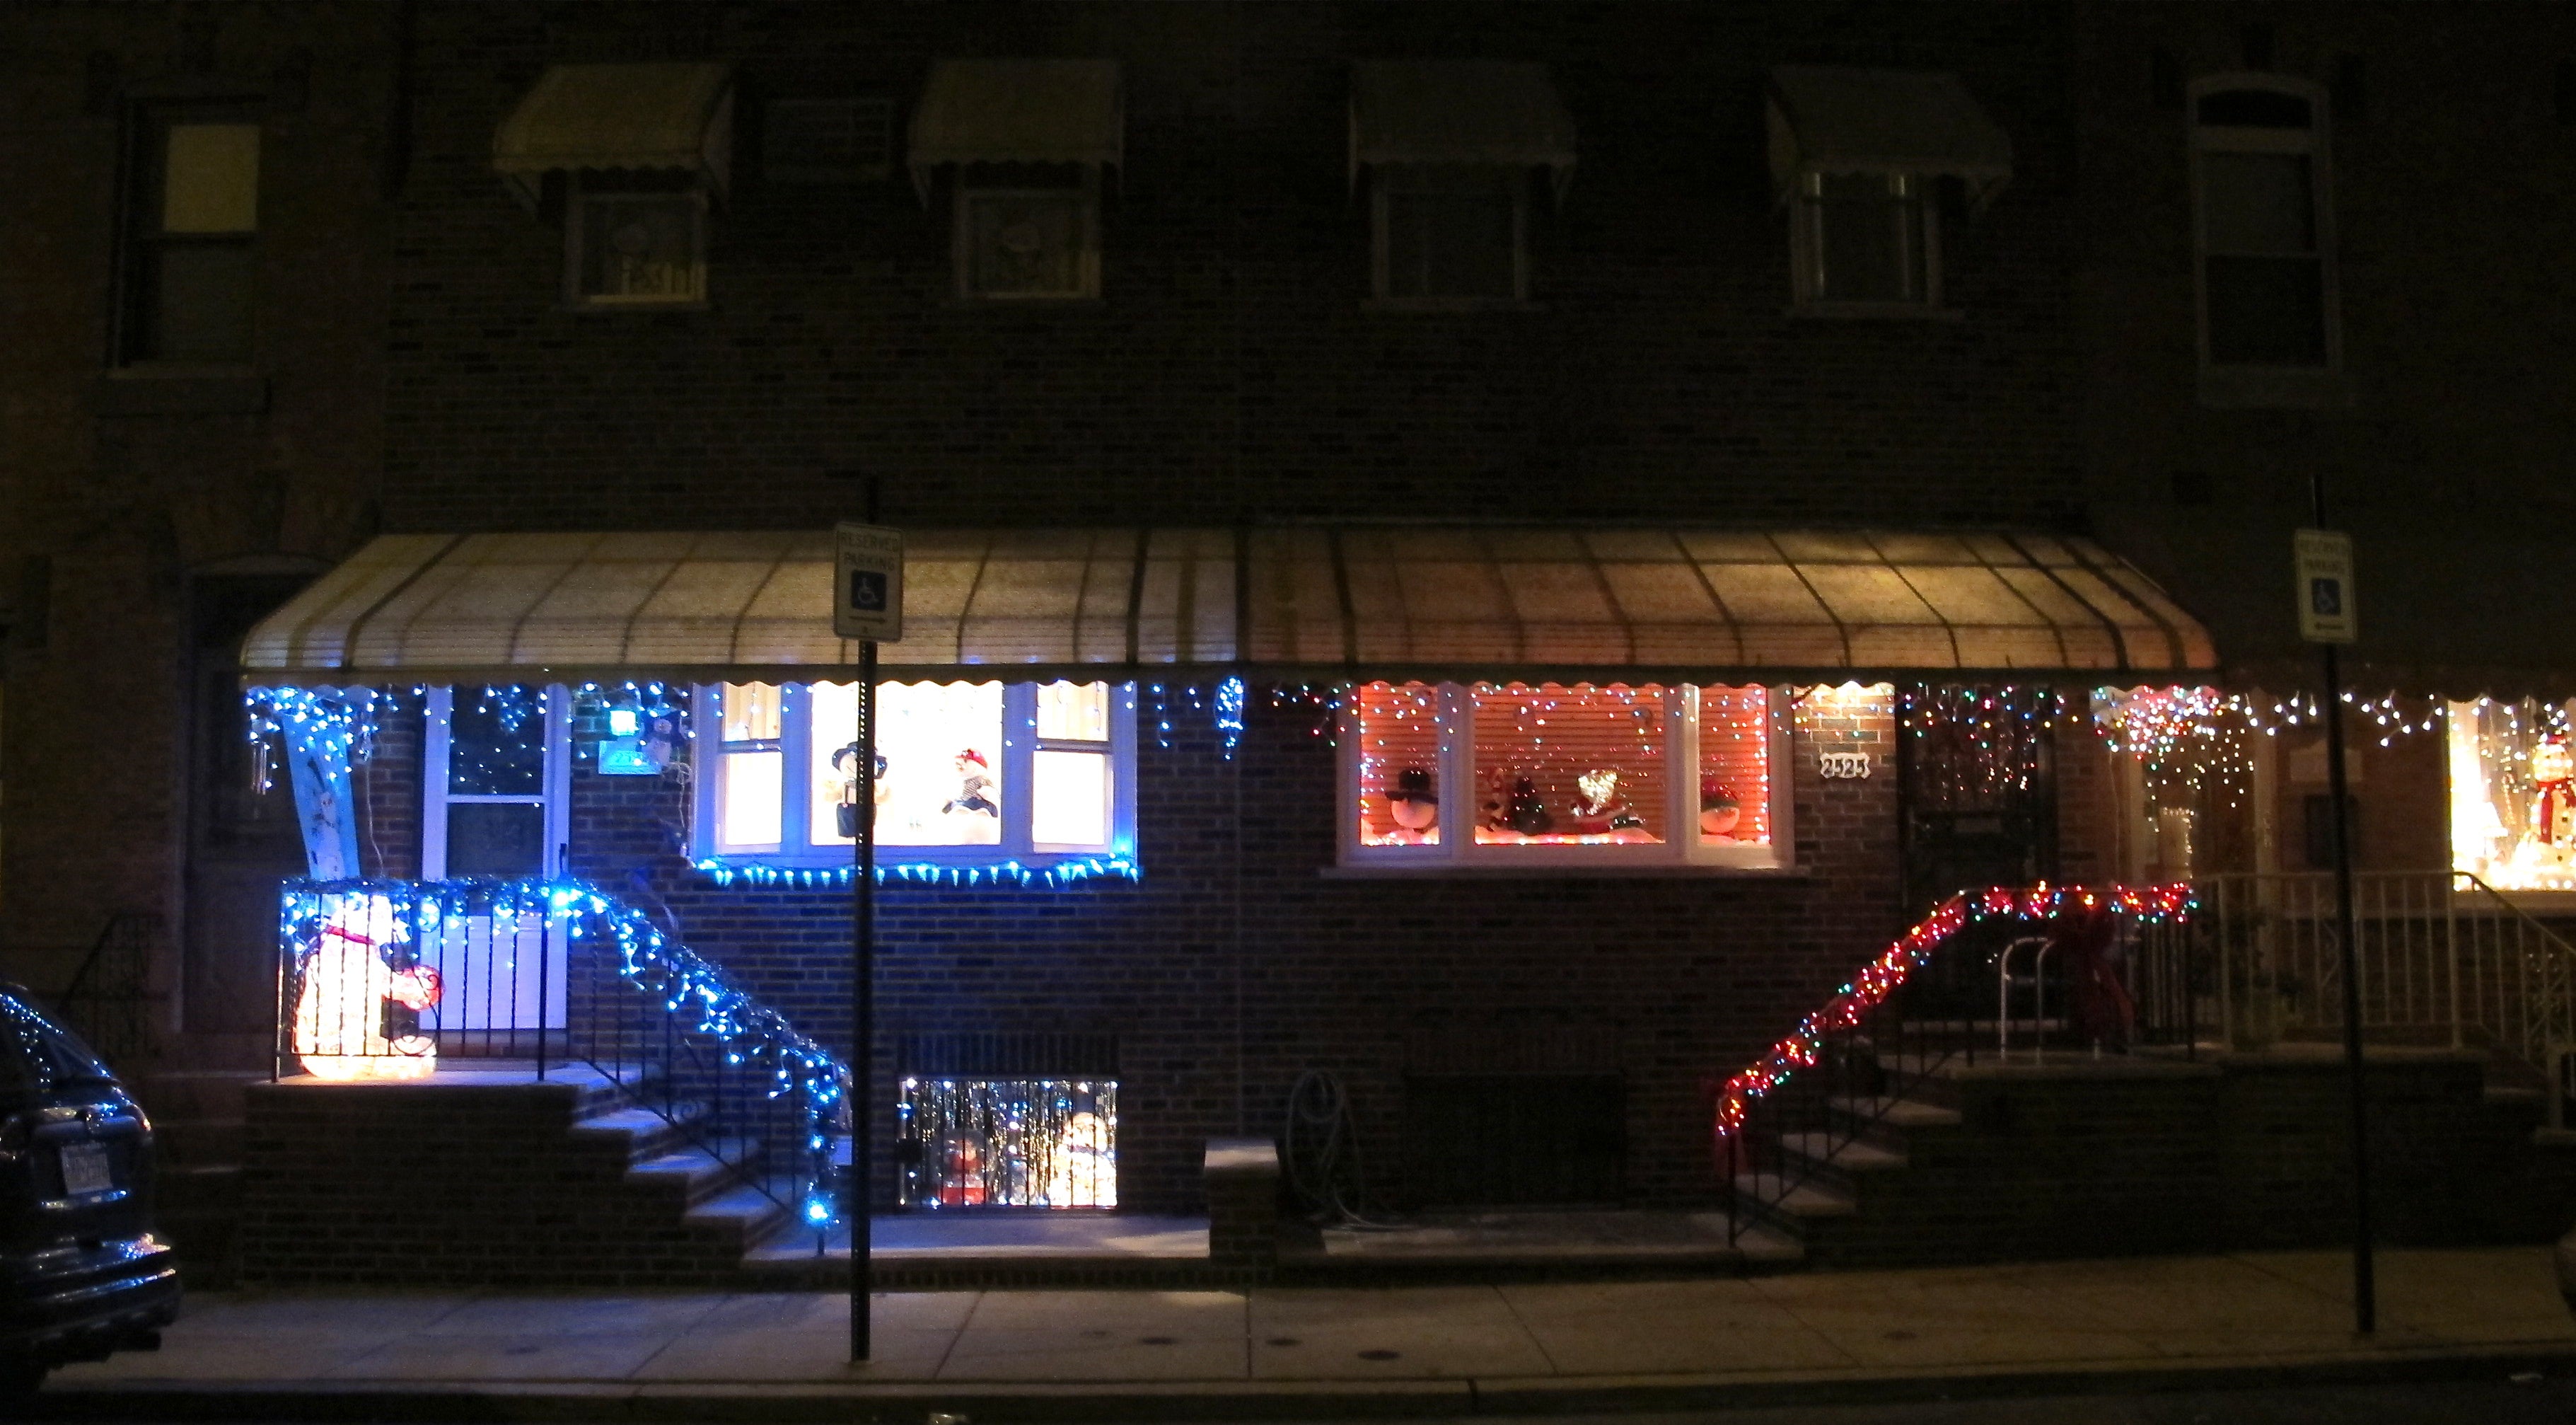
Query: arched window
{"points": [[2262, 228]]}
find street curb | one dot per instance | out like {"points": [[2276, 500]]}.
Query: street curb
{"points": [[908, 1403]]}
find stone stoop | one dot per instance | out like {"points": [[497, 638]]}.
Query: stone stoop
{"points": [[488, 1177], [2125, 1155], [197, 1132]]}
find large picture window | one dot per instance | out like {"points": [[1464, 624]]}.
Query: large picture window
{"points": [[2513, 793], [1519, 775], [966, 774]]}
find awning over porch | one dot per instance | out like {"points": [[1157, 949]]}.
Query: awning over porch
{"points": [[1320, 601]]}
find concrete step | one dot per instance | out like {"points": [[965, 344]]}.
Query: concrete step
{"points": [[699, 1175], [1897, 1115], [1764, 1192], [746, 1214], [1838, 1162], [645, 1132]]}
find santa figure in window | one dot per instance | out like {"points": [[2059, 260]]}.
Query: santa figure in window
{"points": [[2553, 796]]}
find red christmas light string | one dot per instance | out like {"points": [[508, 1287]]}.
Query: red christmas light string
{"points": [[1880, 977]]}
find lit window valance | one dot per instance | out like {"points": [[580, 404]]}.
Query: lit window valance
{"points": [[634, 117], [1847, 120], [1019, 111], [1496, 113]]}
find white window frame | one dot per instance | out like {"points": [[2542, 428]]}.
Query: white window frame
{"points": [[2240, 384], [435, 799], [1682, 850], [961, 242], [1917, 191], [796, 850], [1391, 179], [576, 224]]}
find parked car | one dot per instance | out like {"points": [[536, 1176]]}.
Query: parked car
{"points": [[81, 1274]]}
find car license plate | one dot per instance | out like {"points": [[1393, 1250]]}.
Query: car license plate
{"points": [[85, 1170]]}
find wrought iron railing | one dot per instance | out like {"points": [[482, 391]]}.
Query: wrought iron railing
{"points": [[1939, 995], [109, 999], [386, 979], [2443, 958]]}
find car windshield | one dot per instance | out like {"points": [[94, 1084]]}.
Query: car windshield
{"points": [[37, 1053]]}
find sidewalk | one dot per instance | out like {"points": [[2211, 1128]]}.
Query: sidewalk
{"points": [[1288, 1352]]}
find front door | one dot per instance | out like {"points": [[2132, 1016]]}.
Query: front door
{"points": [[1978, 789]]}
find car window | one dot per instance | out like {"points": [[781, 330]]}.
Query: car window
{"points": [[45, 1053]]}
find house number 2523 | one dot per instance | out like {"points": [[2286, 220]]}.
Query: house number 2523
{"points": [[1843, 764]]}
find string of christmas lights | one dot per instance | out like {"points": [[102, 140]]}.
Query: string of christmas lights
{"points": [[701, 995], [1804, 1046], [1056, 876]]}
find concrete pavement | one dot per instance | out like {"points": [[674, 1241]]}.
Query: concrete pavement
{"points": [[1288, 1351]]}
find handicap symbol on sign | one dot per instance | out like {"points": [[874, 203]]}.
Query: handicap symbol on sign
{"points": [[868, 589], [2325, 596]]}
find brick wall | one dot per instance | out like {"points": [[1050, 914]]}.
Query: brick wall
{"points": [[1238, 962], [1231, 367]]}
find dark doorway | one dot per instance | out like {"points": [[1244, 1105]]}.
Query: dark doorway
{"points": [[1979, 789], [1514, 1140], [242, 836]]}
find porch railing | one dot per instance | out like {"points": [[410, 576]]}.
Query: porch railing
{"points": [[2443, 958], [397, 979], [1940, 995]]}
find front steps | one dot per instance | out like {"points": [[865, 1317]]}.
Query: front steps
{"points": [[488, 1177], [2070, 1156]]}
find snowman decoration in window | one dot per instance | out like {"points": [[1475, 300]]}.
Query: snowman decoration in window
{"points": [[2552, 840], [974, 787], [845, 764], [1413, 807]]}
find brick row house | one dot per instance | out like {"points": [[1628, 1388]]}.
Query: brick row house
{"points": [[1493, 553]]}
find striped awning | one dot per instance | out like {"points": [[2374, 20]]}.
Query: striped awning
{"points": [[1347, 601], [618, 117]]}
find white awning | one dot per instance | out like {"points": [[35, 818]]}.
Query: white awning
{"points": [[1845, 120], [1500, 113], [1319, 601], [1019, 111], [644, 117]]}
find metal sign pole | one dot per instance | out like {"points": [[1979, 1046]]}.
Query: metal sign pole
{"points": [[863, 939], [2338, 629]]}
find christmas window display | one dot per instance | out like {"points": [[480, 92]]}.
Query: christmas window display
{"points": [[1016, 775], [1007, 1143], [2513, 793], [1516, 774]]}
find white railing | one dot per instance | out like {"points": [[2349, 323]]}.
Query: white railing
{"points": [[2442, 957]]}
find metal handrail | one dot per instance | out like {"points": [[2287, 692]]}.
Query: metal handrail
{"points": [[577, 975], [1846, 1066], [107, 994]]}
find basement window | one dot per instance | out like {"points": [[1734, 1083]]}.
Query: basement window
{"points": [[964, 1142]]}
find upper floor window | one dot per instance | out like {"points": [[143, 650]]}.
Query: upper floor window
{"points": [[1451, 232], [632, 153], [192, 252], [629, 249], [1858, 156], [1497, 775], [2262, 227], [1024, 242], [1025, 144], [966, 773], [1866, 238]]}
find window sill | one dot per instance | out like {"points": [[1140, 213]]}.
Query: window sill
{"points": [[1452, 305], [585, 308], [156, 389], [1875, 312], [2283, 388], [1027, 304], [1450, 870]]}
